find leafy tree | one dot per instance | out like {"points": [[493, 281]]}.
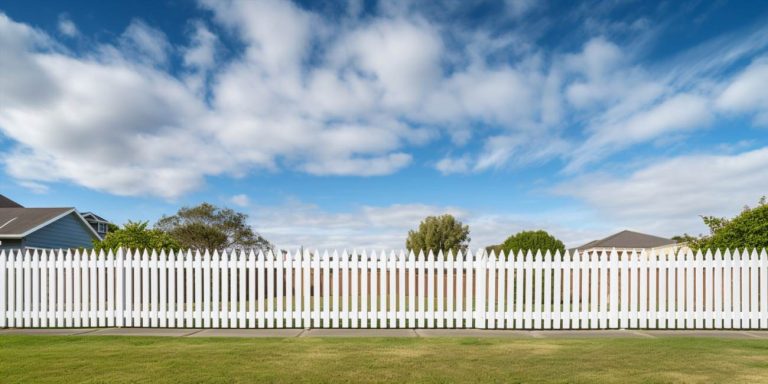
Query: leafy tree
{"points": [[749, 230], [136, 235], [533, 241], [209, 227], [437, 233]]}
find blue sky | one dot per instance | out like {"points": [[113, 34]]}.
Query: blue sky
{"points": [[342, 124]]}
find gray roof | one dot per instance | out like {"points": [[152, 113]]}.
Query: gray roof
{"points": [[8, 203], [628, 239], [17, 222], [95, 216]]}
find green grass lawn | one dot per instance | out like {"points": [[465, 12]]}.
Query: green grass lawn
{"points": [[33, 359]]}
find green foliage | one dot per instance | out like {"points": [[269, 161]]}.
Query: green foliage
{"points": [[747, 230], [533, 241], [209, 227], [136, 235], [438, 233]]}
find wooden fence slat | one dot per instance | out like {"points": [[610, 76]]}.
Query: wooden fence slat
{"points": [[366, 291], [401, 290], [460, 284], [261, 296]]}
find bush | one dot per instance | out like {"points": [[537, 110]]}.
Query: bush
{"points": [[531, 240]]}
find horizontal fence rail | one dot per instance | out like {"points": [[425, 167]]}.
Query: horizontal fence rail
{"points": [[531, 290]]}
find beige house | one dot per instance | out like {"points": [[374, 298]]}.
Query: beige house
{"points": [[632, 241]]}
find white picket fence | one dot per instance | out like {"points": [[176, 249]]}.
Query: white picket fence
{"points": [[384, 290]]}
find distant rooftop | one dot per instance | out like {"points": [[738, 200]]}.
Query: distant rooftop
{"points": [[8, 203], [16, 222], [628, 239]]}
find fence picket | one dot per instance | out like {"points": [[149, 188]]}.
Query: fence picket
{"points": [[326, 291], [567, 304], [366, 291], [401, 290], [261, 297], [460, 283], [252, 300], [306, 285], [763, 289], [753, 292], [652, 286]]}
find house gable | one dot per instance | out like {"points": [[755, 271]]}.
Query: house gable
{"points": [[69, 231]]}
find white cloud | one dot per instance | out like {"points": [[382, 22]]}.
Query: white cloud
{"points": [[240, 200], [326, 97], [667, 197], [145, 43], [448, 165], [518, 8], [747, 93], [677, 114], [67, 27]]}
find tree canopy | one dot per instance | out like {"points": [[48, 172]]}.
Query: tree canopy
{"points": [[530, 240], [438, 233], [136, 235], [209, 227], [749, 229]]}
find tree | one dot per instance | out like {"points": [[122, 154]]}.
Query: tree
{"points": [[136, 235], [533, 241], [209, 227], [749, 230], [438, 233]]}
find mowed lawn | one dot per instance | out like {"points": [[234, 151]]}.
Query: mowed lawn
{"points": [[92, 359]]}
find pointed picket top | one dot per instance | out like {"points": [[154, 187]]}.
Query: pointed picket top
{"points": [[421, 256], [491, 255], [100, 257], [764, 254], [365, 255], [538, 255], [502, 258], [430, 256], [401, 256], [547, 257], [449, 256], [528, 257], [153, 255], [698, 255], [325, 257]]}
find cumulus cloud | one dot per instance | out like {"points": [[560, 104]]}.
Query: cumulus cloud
{"points": [[746, 94], [667, 197], [145, 43], [67, 27], [240, 200], [357, 96]]}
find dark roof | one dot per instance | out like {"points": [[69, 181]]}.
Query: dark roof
{"points": [[19, 221], [95, 216], [8, 203], [628, 239]]}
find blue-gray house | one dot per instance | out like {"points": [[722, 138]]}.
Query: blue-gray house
{"points": [[42, 228]]}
